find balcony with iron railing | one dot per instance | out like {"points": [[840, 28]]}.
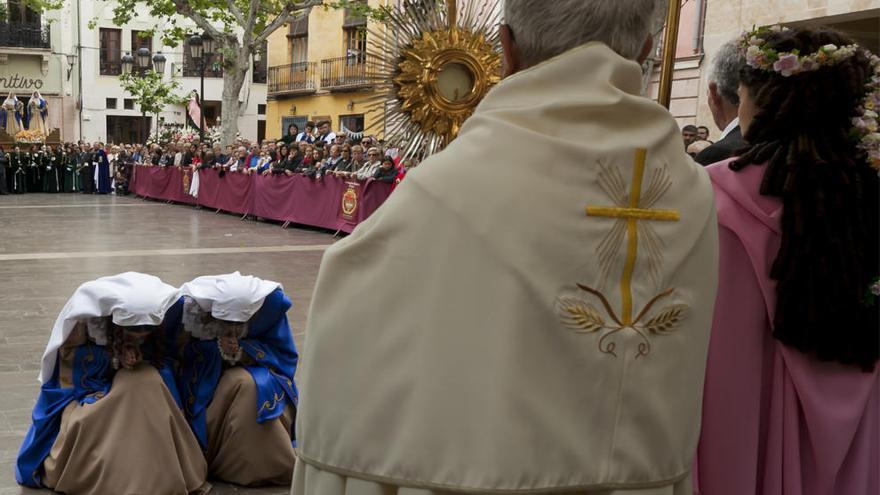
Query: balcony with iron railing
{"points": [[292, 79], [350, 73], [23, 35]]}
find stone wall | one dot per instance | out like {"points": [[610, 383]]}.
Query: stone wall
{"points": [[727, 19]]}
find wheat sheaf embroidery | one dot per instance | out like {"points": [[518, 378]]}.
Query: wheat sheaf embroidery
{"points": [[631, 211]]}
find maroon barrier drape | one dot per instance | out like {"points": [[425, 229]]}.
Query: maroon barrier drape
{"points": [[296, 199], [161, 183], [232, 192]]}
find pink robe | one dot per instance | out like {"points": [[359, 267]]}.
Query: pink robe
{"points": [[775, 420]]}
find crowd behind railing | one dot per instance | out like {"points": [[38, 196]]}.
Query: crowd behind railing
{"points": [[99, 168]]}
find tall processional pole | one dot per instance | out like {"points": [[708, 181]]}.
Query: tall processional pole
{"points": [[670, 42]]}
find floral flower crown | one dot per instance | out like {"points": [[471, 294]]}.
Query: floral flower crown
{"points": [[866, 123]]}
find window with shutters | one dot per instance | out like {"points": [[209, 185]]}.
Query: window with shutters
{"points": [[351, 123], [299, 41], [138, 42], [213, 66], [259, 68], [110, 51], [355, 45], [18, 12], [354, 28], [299, 49]]}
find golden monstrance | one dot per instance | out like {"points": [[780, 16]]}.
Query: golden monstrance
{"points": [[433, 65]]}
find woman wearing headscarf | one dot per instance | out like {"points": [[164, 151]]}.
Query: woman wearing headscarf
{"points": [[108, 418], [237, 377]]}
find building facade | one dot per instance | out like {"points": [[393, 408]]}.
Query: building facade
{"points": [[109, 113], [707, 24], [77, 67], [727, 19], [33, 58], [319, 70]]}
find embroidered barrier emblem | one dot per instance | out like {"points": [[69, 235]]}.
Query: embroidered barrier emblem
{"points": [[349, 202]]}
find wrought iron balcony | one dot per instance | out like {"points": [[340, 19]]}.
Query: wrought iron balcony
{"points": [[293, 78], [349, 73], [20, 35]]}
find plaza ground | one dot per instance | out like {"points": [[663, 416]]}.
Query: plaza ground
{"points": [[51, 243]]}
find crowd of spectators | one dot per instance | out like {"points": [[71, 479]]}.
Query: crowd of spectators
{"points": [[311, 154], [696, 139], [316, 152]]}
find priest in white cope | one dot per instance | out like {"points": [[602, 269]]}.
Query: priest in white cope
{"points": [[551, 313]]}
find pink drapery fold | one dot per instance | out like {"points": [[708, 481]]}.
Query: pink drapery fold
{"points": [[775, 421]]}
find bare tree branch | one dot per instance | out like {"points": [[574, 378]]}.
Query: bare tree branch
{"points": [[285, 16], [186, 9], [250, 23], [236, 12]]}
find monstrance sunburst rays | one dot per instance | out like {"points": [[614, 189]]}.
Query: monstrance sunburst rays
{"points": [[421, 41]]}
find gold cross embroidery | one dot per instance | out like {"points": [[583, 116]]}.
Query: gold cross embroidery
{"points": [[631, 211], [634, 213]]}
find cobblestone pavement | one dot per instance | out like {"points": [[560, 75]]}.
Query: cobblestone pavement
{"points": [[49, 244]]}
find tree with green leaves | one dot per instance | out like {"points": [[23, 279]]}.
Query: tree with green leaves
{"points": [[151, 93]]}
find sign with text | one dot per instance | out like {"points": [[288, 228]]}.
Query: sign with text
{"points": [[23, 74]]}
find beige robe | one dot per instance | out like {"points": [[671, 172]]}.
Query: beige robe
{"points": [[240, 450], [528, 313], [133, 441]]}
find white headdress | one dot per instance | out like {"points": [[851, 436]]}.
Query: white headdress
{"points": [[131, 299], [231, 297]]}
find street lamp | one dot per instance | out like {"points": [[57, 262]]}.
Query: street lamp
{"points": [[159, 62], [201, 50], [127, 63], [71, 61], [159, 66], [143, 58], [195, 47], [208, 44]]}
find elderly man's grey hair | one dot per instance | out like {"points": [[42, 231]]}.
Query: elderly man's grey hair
{"points": [[726, 68], [544, 29]]}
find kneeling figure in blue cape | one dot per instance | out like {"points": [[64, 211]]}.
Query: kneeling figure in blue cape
{"points": [[108, 417], [237, 377]]}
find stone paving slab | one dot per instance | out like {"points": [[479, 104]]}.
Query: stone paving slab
{"points": [[33, 291]]}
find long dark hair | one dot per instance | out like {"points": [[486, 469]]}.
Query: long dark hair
{"points": [[828, 257]]}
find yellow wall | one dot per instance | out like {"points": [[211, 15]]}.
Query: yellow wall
{"points": [[325, 41], [321, 104]]}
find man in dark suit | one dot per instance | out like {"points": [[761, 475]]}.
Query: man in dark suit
{"points": [[724, 104]]}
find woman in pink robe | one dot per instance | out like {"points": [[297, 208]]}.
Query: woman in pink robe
{"points": [[792, 399]]}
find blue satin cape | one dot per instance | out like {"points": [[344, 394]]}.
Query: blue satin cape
{"points": [[90, 376], [269, 343]]}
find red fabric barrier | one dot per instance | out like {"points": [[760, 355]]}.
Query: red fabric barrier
{"points": [[272, 196], [161, 183], [232, 192], [296, 199]]}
